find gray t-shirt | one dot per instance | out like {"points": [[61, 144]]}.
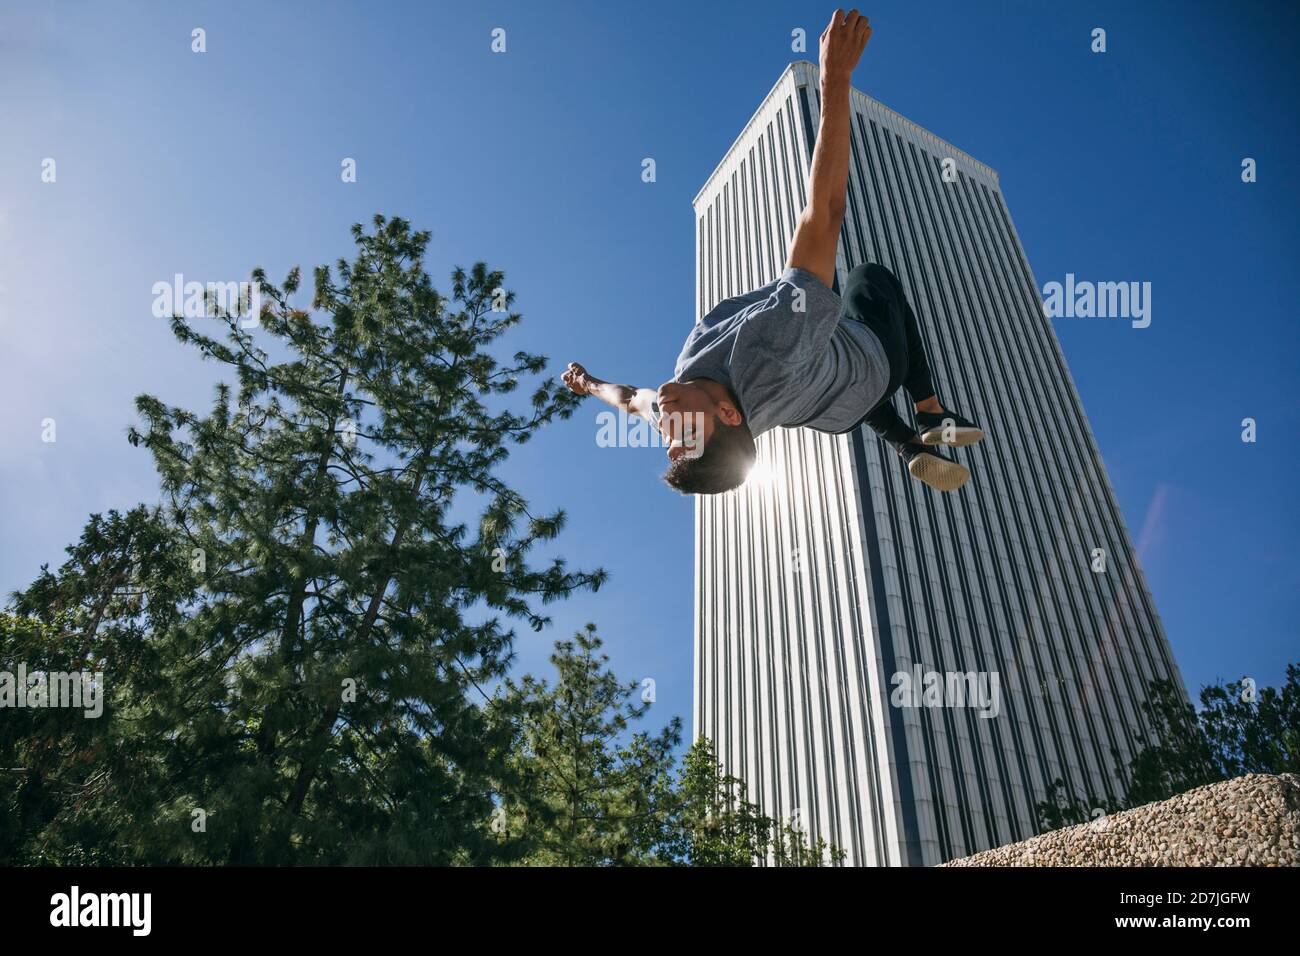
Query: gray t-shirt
{"points": [[790, 363]]}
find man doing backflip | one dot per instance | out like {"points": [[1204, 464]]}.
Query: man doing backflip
{"points": [[792, 353]]}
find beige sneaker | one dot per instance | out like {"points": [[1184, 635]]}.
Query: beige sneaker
{"points": [[928, 464]]}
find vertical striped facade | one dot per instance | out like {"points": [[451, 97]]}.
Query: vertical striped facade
{"points": [[832, 569]]}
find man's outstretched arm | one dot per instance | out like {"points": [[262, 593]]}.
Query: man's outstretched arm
{"points": [[627, 398], [818, 234]]}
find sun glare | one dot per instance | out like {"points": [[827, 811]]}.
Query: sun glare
{"points": [[762, 475]]}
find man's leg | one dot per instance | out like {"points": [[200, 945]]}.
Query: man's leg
{"points": [[918, 381], [936, 425], [874, 296], [924, 462], [889, 425]]}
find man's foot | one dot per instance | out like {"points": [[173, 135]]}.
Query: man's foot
{"points": [[947, 428], [928, 464]]}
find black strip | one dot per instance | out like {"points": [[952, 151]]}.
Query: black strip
{"points": [[902, 759], [987, 577], [900, 265], [928, 312], [1024, 524], [1076, 651], [809, 134], [1097, 490]]}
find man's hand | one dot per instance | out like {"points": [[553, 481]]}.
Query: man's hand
{"points": [[626, 398], [578, 379], [817, 236], [842, 43]]}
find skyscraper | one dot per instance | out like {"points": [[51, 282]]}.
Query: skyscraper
{"points": [[832, 581]]}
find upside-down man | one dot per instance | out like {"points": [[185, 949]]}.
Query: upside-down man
{"points": [[793, 353]]}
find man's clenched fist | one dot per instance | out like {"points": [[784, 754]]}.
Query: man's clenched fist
{"points": [[843, 41], [577, 379]]}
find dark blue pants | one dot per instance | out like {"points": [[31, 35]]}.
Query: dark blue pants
{"points": [[874, 296]]}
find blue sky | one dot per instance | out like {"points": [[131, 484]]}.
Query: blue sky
{"points": [[1119, 166]]}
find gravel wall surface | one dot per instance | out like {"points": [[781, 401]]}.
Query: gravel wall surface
{"points": [[1250, 821]]}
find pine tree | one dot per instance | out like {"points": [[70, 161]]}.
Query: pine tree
{"points": [[296, 642], [78, 789], [1234, 732], [1253, 730], [576, 792], [583, 791], [717, 825], [1174, 756]]}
